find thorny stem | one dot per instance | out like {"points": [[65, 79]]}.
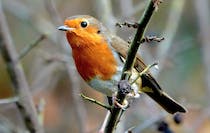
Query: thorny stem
{"points": [[114, 117], [128, 24], [152, 39]]}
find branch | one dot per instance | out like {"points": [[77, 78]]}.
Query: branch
{"points": [[138, 37], [29, 47], [9, 100], [128, 24], [149, 39], [155, 64], [114, 117], [95, 101], [15, 71]]}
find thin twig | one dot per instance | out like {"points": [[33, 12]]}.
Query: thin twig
{"points": [[29, 47], [55, 57], [149, 39], [144, 71], [15, 71], [9, 100], [130, 129], [128, 24], [116, 112], [95, 101], [138, 37], [102, 129], [40, 110]]}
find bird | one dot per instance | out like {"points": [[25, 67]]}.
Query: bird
{"points": [[98, 55]]}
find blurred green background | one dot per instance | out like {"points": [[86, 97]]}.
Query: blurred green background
{"points": [[184, 59]]}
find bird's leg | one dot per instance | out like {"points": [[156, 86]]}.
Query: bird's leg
{"points": [[123, 106], [114, 102], [124, 88], [96, 102], [143, 72]]}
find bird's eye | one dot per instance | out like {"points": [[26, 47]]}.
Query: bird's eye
{"points": [[84, 24]]}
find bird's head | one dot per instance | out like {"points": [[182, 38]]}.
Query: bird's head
{"points": [[83, 30]]}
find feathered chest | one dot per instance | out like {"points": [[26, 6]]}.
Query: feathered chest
{"points": [[95, 61]]}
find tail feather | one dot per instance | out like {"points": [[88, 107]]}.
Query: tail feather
{"points": [[157, 94]]}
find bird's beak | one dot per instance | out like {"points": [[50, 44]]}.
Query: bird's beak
{"points": [[65, 28]]}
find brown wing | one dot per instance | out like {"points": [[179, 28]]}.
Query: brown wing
{"points": [[121, 47], [149, 84]]}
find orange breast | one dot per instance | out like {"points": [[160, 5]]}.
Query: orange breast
{"points": [[93, 58]]}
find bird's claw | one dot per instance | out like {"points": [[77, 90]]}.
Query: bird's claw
{"points": [[123, 106]]}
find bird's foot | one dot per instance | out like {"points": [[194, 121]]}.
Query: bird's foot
{"points": [[123, 106]]}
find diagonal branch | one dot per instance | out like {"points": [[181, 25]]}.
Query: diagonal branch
{"points": [[114, 117], [29, 47], [15, 71]]}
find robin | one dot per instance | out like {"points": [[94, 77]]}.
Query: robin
{"points": [[98, 57]]}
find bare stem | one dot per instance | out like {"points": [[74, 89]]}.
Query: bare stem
{"points": [[114, 117], [95, 101], [29, 47], [18, 79], [144, 71], [152, 39]]}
